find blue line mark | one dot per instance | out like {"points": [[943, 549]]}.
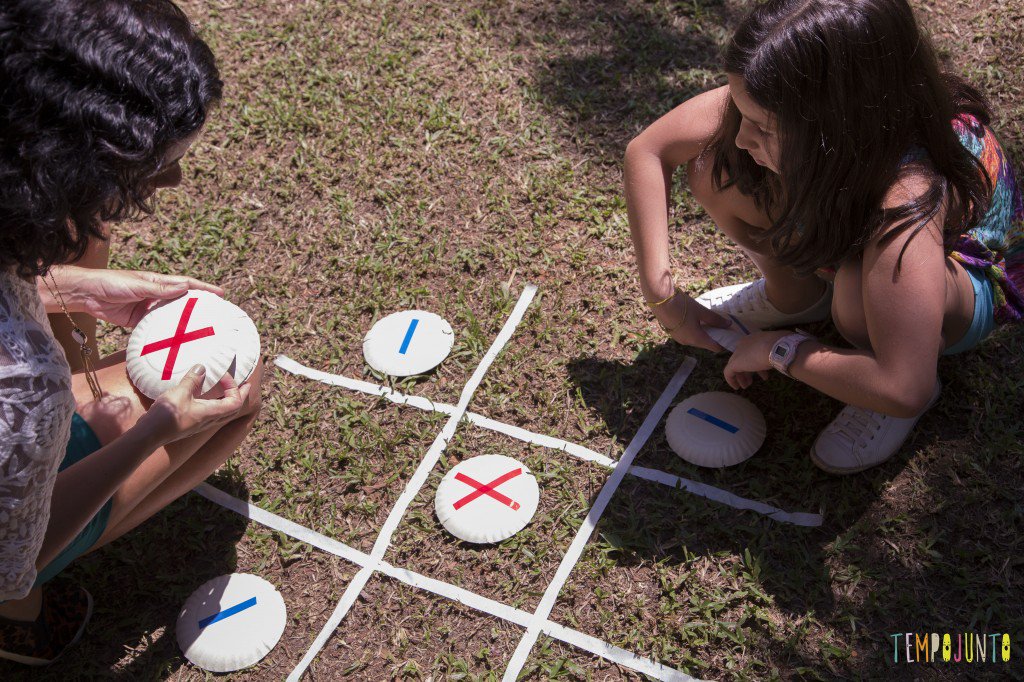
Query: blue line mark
{"points": [[740, 325], [408, 336], [227, 613], [712, 420]]}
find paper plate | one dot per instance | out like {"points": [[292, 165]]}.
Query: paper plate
{"points": [[715, 429], [231, 622], [486, 499], [407, 343], [198, 328], [728, 337]]}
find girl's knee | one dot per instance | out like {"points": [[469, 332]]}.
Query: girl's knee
{"points": [[848, 305]]}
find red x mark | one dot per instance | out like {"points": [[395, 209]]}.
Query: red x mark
{"points": [[487, 489], [179, 339]]}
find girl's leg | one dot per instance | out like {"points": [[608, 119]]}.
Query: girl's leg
{"points": [[851, 320], [742, 221]]}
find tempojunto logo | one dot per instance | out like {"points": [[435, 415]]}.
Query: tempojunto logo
{"points": [[958, 647]]}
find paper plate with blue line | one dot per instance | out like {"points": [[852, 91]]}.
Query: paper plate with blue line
{"points": [[407, 343], [231, 622], [715, 429]]}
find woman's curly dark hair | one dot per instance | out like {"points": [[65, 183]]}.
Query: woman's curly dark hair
{"points": [[92, 94]]}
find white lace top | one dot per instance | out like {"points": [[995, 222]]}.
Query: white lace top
{"points": [[36, 405]]}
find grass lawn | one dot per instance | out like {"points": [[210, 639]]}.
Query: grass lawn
{"points": [[375, 156]]}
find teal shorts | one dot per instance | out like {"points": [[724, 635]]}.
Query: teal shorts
{"points": [[82, 444], [984, 313]]}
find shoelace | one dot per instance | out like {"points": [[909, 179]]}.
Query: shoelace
{"points": [[854, 423], [749, 299]]}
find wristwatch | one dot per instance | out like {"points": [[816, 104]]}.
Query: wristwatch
{"points": [[784, 351]]}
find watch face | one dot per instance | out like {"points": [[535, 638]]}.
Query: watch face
{"points": [[781, 351]]}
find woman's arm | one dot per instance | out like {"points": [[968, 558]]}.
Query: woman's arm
{"points": [[120, 297], [903, 315]]}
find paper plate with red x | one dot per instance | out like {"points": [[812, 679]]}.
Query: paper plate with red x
{"points": [[486, 499], [198, 328]]}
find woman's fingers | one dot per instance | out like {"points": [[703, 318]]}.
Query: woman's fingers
{"points": [[179, 281]]}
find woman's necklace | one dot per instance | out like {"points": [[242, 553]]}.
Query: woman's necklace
{"points": [[80, 338]]}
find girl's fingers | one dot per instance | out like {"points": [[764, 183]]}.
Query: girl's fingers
{"points": [[709, 318], [764, 374]]}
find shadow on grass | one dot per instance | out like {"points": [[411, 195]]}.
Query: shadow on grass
{"points": [[926, 542], [616, 65], [139, 583]]}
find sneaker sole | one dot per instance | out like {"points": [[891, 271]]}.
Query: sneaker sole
{"points": [[40, 662], [843, 472]]}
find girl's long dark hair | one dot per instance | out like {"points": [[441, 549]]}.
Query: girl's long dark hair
{"points": [[92, 94], [854, 87]]}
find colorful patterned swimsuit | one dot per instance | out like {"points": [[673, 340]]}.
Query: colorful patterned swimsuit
{"points": [[996, 245]]}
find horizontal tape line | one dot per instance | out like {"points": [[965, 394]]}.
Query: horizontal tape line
{"points": [[657, 476], [454, 593]]}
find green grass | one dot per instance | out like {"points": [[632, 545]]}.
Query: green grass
{"points": [[375, 156]]}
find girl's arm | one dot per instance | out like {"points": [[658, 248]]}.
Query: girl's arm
{"points": [[651, 158], [903, 315]]}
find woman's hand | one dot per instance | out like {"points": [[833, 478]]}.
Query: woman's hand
{"points": [[750, 357], [180, 412], [121, 297], [683, 319]]}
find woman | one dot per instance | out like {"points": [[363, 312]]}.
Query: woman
{"points": [[100, 100]]}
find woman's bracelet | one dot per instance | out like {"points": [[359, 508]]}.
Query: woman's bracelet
{"points": [[675, 292]]}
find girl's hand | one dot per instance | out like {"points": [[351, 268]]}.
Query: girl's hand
{"points": [[180, 412], [751, 356], [682, 318], [121, 297]]}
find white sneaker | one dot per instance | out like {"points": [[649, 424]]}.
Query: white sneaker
{"points": [[859, 439], [750, 304]]}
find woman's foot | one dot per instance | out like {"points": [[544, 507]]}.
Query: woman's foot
{"points": [[66, 608], [859, 439], [749, 303]]}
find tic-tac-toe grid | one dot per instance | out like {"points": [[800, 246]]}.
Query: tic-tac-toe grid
{"points": [[537, 622]]}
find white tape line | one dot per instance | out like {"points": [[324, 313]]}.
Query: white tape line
{"points": [[614, 654], [434, 586], [578, 451], [289, 365], [419, 477], [458, 594], [725, 497], [287, 527], [579, 543], [361, 559], [347, 599], [573, 449]]}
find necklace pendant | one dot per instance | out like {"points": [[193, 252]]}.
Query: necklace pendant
{"points": [[79, 336]]}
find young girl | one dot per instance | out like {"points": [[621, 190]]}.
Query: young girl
{"points": [[101, 99], [839, 145]]}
